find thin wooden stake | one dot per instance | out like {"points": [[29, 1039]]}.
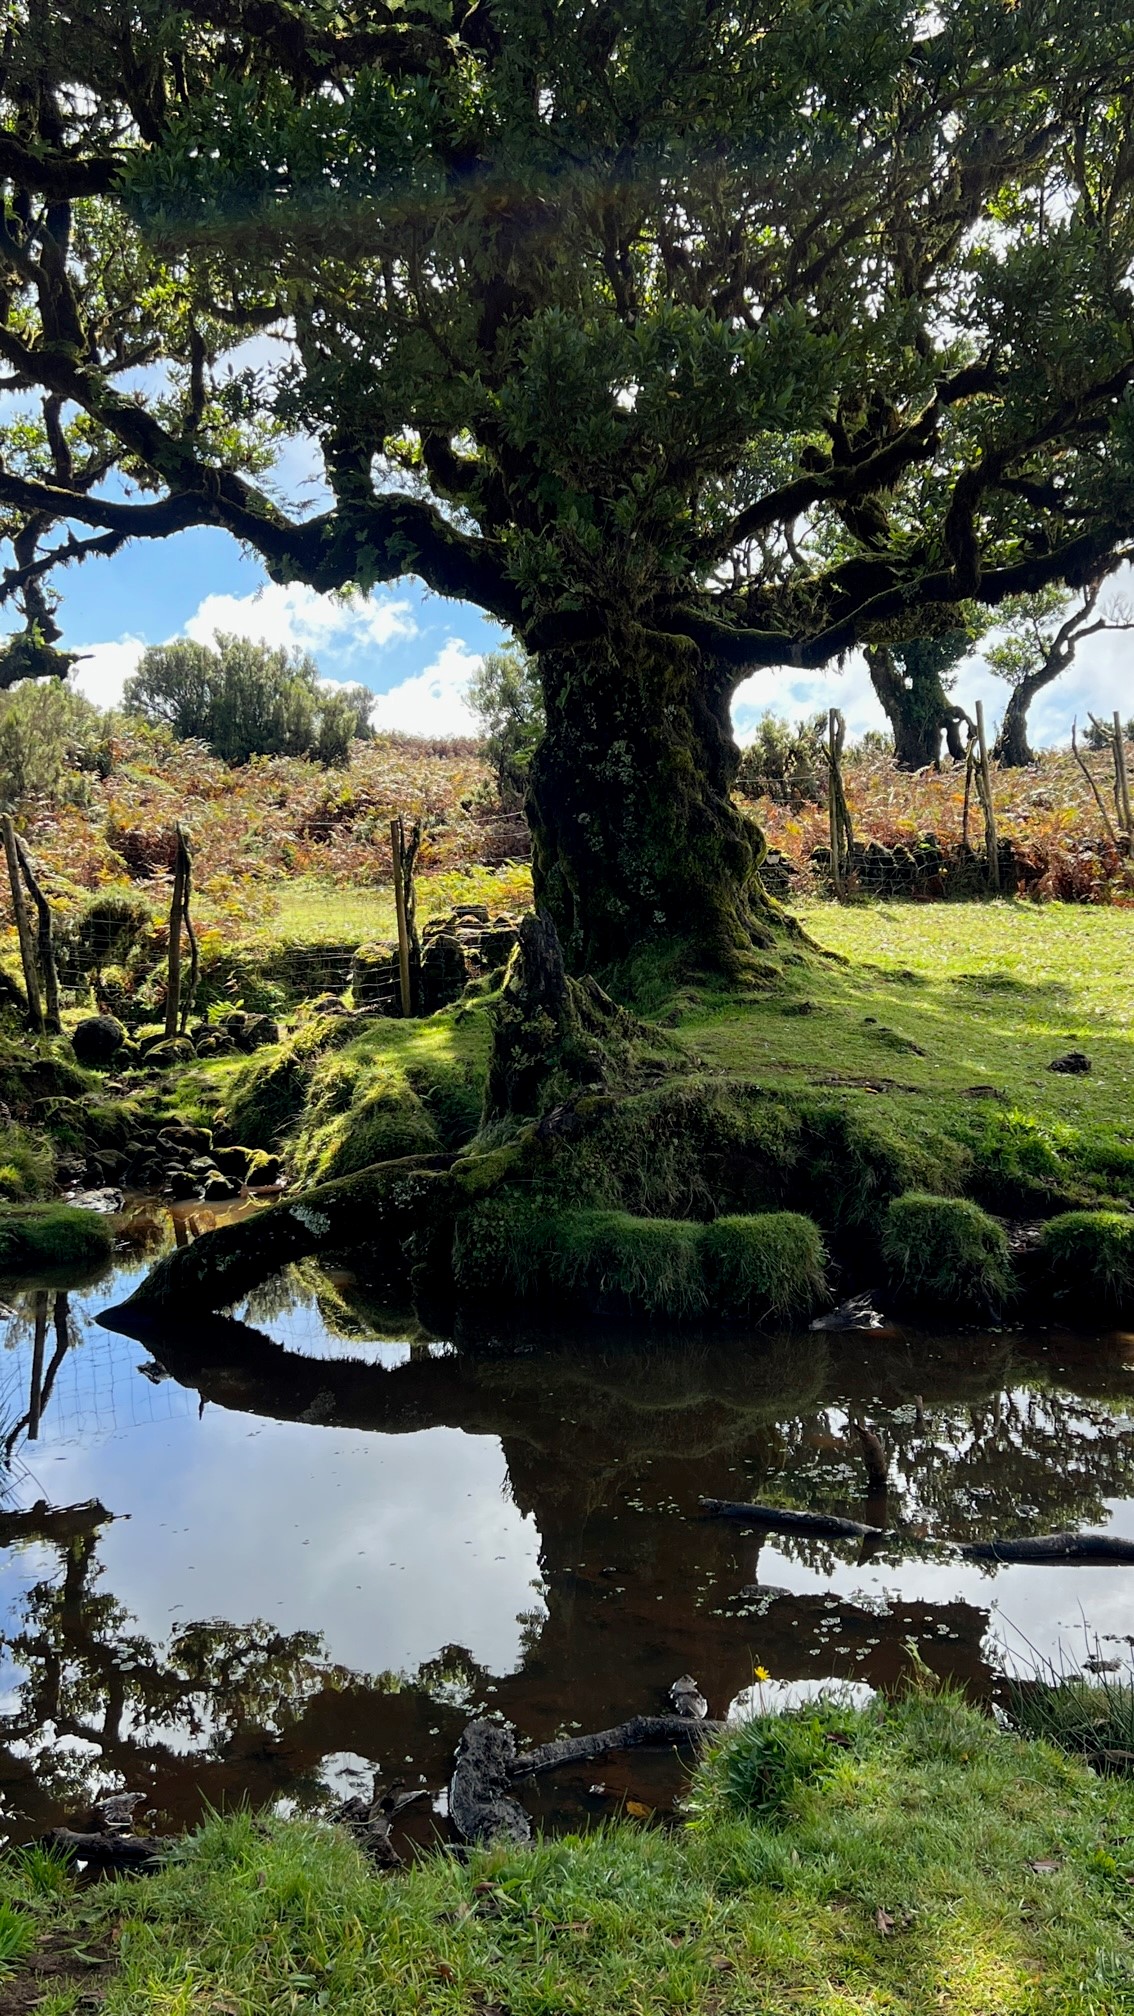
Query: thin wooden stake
{"points": [[47, 965], [35, 1398], [991, 843], [398, 850], [1121, 775], [1098, 797], [23, 926], [833, 808], [173, 985], [186, 860]]}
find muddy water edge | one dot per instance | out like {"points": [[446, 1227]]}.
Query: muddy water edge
{"points": [[268, 1558]]}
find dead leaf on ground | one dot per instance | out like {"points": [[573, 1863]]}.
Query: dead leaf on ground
{"points": [[1043, 1868], [639, 1811], [884, 1922]]}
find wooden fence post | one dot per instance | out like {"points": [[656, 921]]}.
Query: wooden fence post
{"points": [[991, 842], [838, 811], [23, 927], [1121, 778], [398, 850], [177, 1002], [47, 965], [188, 993], [173, 980]]}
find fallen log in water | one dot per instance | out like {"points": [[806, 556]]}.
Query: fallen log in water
{"points": [[1047, 1550], [58, 1524], [107, 1851], [624, 1736], [778, 1519], [481, 1806]]}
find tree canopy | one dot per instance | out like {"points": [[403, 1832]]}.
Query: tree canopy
{"points": [[684, 339]]}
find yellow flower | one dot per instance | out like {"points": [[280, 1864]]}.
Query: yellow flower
{"points": [[760, 1673]]}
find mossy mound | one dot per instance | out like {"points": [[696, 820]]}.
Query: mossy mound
{"points": [[767, 1267], [339, 1094], [947, 1251], [358, 1111], [1089, 1260], [267, 1096], [770, 1266], [52, 1238], [651, 1266]]}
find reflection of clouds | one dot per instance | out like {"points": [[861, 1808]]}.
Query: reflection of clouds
{"points": [[390, 1546], [780, 1697], [1048, 1609]]}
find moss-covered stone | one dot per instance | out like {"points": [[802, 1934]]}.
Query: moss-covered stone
{"points": [[52, 1238], [266, 1097], [770, 1266], [358, 1112], [947, 1252], [1089, 1261]]}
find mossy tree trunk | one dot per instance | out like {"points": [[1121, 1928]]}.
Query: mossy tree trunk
{"points": [[636, 839], [913, 696]]}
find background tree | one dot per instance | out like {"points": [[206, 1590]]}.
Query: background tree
{"points": [[49, 736], [1040, 636], [913, 681], [248, 699], [682, 338], [506, 697]]}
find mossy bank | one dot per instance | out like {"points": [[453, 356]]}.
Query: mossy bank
{"points": [[908, 1858], [914, 1127]]}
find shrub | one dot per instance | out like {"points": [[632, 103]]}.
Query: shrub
{"points": [[783, 763], [53, 1236], [770, 1266], [1089, 1255], [248, 699], [27, 1165], [947, 1250]]}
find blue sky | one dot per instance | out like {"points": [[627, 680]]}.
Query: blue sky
{"points": [[418, 651]]}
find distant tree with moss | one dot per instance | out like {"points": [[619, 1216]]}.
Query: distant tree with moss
{"points": [[506, 697], [1037, 641], [248, 699], [913, 682]]}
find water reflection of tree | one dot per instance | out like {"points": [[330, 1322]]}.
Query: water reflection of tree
{"points": [[1018, 1460], [119, 1700]]}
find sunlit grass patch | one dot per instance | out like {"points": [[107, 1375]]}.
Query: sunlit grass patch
{"points": [[893, 1861]]}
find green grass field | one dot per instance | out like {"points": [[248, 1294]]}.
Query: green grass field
{"points": [[922, 1861], [953, 1014]]}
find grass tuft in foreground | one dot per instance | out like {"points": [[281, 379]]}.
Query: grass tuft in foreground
{"points": [[898, 1861]]}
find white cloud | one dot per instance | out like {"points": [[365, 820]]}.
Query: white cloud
{"points": [[799, 695], [103, 670], [299, 616], [434, 701]]}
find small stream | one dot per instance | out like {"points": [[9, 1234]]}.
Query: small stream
{"points": [[332, 1538]]}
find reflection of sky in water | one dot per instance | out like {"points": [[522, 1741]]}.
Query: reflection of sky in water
{"points": [[392, 1546], [1045, 1609]]}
